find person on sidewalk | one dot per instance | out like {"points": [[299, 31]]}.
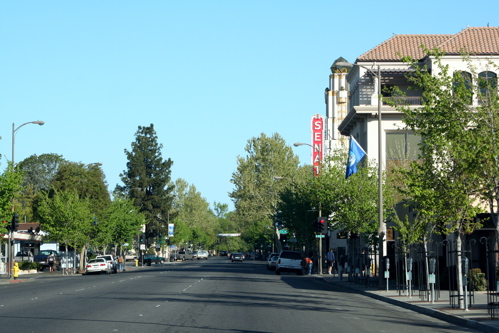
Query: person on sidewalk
{"points": [[51, 262], [330, 259], [309, 263], [121, 264]]}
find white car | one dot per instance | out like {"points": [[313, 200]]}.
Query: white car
{"points": [[202, 254], [97, 265], [111, 262]]}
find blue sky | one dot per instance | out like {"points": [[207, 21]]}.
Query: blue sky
{"points": [[208, 74]]}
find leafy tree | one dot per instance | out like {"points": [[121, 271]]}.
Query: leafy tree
{"points": [[443, 184], [147, 180], [88, 181], [256, 193], [10, 185], [38, 173], [66, 217], [194, 221], [123, 222]]}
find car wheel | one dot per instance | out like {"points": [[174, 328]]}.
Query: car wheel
{"points": [[277, 272]]}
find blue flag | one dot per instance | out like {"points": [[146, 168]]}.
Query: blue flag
{"points": [[355, 154]]}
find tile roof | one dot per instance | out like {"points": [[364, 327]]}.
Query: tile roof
{"points": [[476, 40]]}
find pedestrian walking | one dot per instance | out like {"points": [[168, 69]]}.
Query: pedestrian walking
{"points": [[51, 261], [330, 259]]}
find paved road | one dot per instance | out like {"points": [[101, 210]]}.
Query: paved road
{"points": [[201, 296]]}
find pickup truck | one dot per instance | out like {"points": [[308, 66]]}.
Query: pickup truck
{"points": [[152, 258], [289, 261], [41, 258]]}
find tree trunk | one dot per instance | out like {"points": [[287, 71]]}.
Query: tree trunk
{"points": [[83, 257]]}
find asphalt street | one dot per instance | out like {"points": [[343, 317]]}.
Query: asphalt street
{"points": [[216, 295]]}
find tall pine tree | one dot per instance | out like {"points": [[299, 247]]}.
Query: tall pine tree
{"points": [[147, 181]]}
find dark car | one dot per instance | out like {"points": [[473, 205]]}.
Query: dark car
{"points": [[237, 257], [41, 258]]}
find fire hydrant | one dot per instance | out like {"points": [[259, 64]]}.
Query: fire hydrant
{"points": [[16, 270], [136, 262]]}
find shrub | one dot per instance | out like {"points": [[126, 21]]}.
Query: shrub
{"points": [[27, 265], [477, 279]]}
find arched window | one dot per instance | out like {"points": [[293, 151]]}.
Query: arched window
{"points": [[462, 86], [487, 82]]}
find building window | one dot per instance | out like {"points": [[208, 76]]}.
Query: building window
{"points": [[463, 84], [402, 146], [487, 83]]}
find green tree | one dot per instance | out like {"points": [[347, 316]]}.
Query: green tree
{"points": [[123, 223], [66, 217], [147, 180], [10, 186], [88, 181], [443, 184], [194, 220], [256, 193], [38, 173]]}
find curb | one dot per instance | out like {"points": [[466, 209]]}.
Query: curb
{"points": [[473, 324]]}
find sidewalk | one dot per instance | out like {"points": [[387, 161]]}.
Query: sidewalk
{"points": [[477, 317]]}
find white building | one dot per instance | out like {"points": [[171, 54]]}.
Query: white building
{"points": [[352, 96], [361, 119]]}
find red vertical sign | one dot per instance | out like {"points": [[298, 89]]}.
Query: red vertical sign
{"points": [[317, 142]]}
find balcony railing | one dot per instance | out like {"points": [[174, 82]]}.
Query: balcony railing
{"points": [[407, 100]]}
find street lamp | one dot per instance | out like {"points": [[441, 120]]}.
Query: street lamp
{"points": [[14, 130], [381, 229], [11, 234]]}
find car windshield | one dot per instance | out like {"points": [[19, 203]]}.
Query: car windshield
{"points": [[96, 260], [46, 252]]}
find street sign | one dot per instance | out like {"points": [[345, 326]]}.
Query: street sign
{"points": [[283, 231], [319, 236]]}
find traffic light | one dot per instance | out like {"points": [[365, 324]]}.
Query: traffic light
{"points": [[322, 225], [15, 222]]}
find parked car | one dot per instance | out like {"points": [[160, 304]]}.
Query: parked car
{"points": [[289, 261], [176, 256], [98, 265], [41, 258], [224, 253], [202, 254], [110, 261], [272, 261], [130, 256], [152, 258], [237, 257], [24, 256], [186, 255]]}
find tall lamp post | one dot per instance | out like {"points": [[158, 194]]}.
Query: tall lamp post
{"points": [[381, 228], [14, 130], [11, 234], [297, 144]]}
